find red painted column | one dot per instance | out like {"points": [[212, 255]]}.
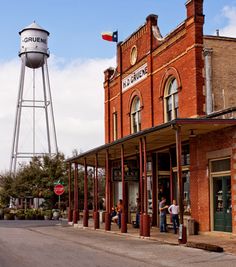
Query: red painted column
{"points": [[76, 204], [107, 214], [154, 190], [183, 236], [146, 217], [171, 181], [96, 213], [141, 186], [111, 198], [123, 215], [70, 215], [85, 212]]}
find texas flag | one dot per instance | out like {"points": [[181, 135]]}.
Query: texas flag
{"points": [[110, 36]]}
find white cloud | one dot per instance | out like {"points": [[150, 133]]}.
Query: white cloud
{"points": [[229, 12], [78, 102]]}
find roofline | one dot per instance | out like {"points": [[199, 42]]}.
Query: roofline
{"points": [[35, 29], [173, 123], [221, 112], [221, 38]]}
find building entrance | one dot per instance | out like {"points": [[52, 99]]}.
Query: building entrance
{"points": [[222, 203]]}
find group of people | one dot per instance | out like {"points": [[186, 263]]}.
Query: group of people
{"points": [[163, 208], [116, 213], [119, 208], [174, 213]]}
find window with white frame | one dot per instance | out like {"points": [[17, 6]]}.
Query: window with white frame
{"points": [[171, 100], [135, 115]]}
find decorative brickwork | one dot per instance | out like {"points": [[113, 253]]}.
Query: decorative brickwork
{"points": [[181, 51]]}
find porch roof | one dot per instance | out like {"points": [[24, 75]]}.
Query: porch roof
{"points": [[157, 138]]}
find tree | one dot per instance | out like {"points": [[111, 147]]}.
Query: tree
{"points": [[35, 179], [6, 188], [38, 177]]}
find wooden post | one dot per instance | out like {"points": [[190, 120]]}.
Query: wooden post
{"points": [[182, 234], [86, 212], [123, 215], [146, 217], [107, 214], [171, 181], [76, 204], [141, 186], [96, 213], [69, 193], [154, 191]]}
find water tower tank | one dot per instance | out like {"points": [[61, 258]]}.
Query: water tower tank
{"points": [[34, 45]]}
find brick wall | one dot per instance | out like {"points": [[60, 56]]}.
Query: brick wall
{"points": [[223, 70], [215, 145]]}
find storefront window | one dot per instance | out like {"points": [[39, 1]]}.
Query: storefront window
{"points": [[149, 189], [149, 184], [218, 196], [220, 165], [228, 196], [164, 188], [185, 157], [186, 190], [186, 187], [163, 161]]}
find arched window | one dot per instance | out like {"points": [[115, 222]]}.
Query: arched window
{"points": [[171, 100], [135, 115]]}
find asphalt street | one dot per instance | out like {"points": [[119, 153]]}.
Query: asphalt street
{"points": [[52, 243]]}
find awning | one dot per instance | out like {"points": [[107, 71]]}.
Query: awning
{"points": [[157, 138]]}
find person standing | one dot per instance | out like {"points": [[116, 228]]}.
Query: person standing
{"points": [[163, 208], [174, 212], [120, 210]]}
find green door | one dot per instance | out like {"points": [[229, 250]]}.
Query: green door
{"points": [[222, 204]]}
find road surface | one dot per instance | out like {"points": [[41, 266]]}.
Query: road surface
{"points": [[49, 244]]}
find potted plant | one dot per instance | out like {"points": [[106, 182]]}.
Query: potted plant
{"points": [[39, 214], [30, 214], [8, 214], [20, 214], [55, 214], [47, 214], [1, 212]]}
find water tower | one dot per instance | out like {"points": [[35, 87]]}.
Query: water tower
{"points": [[34, 129]]}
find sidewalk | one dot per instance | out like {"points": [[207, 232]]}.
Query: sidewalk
{"points": [[225, 240]]}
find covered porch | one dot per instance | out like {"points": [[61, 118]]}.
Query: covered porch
{"points": [[138, 146]]}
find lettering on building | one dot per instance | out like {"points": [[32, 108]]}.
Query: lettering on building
{"points": [[135, 77]]}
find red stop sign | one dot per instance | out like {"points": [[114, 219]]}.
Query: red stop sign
{"points": [[59, 189]]}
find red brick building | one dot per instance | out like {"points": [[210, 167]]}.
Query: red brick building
{"points": [[169, 126]]}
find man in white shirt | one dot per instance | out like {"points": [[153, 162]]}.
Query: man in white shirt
{"points": [[174, 212]]}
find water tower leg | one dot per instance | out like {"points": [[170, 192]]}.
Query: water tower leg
{"points": [[51, 105], [46, 110], [17, 119]]}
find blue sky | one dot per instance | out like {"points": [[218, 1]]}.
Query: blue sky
{"points": [[75, 25], [79, 57]]}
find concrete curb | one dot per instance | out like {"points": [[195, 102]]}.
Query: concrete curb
{"points": [[197, 245], [205, 246]]}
